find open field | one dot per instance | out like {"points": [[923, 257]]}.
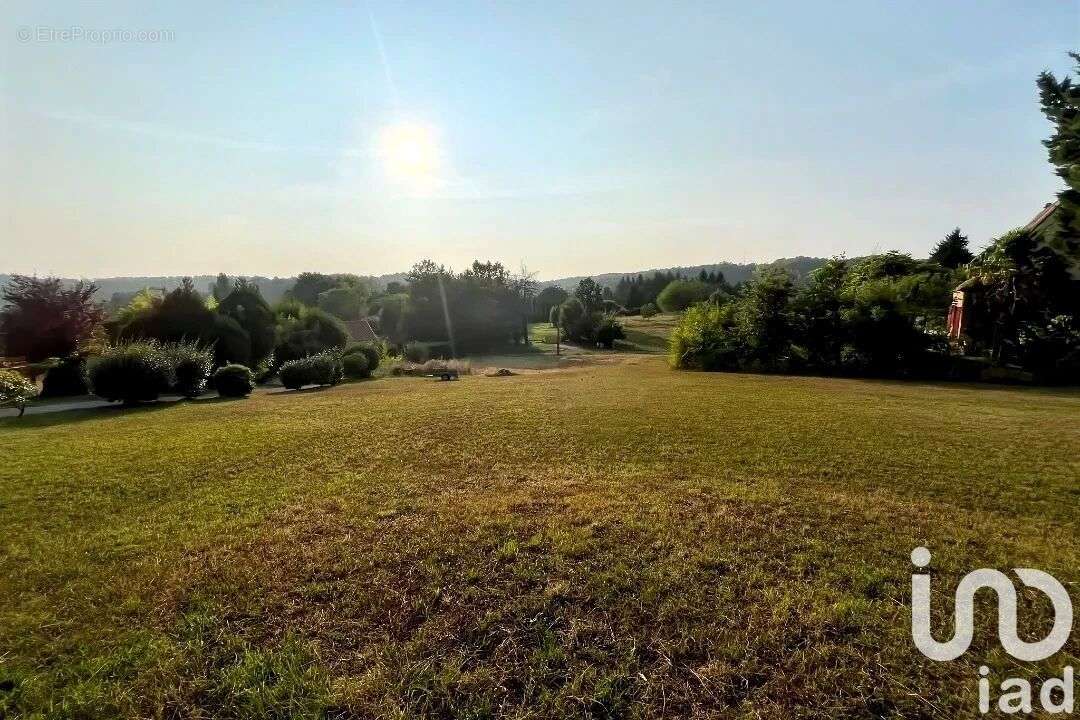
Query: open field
{"points": [[609, 540]]}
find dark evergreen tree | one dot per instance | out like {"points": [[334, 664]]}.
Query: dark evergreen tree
{"points": [[1060, 101], [952, 251]]}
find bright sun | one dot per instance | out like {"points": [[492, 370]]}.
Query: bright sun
{"points": [[409, 152]]}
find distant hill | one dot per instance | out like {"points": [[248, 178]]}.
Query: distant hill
{"points": [[734, 273], [274, 288]]}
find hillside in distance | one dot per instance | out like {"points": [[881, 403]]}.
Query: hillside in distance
{"points": [[273, 289]]}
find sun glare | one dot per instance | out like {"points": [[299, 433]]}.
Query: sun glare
{"points": [[409, 152]]}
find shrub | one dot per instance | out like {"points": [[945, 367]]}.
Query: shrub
{"points": [[15, 390], [705, 339], [648, 310], [608, 330], [307, 334], [191, 366], [323, 368], [234, 381], [182, 316], [66, 378], [681, 294], [417, 353], [355, 365], [369, 350], [130, 372]]}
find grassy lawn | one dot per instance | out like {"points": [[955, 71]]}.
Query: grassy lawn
{"points": [[649, 334], [611, 540]]}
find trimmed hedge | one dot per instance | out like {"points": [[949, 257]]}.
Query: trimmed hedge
{"points": [[191, 366], [355, 366], [132, 372], [323, 368], [234, 381], [369, 351], [65, 379]]}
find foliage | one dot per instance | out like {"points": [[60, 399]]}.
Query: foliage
{"points": [[1060, 100], [324, 368], [44, 318], [681, 294], [589, 294], [475, 310], [392, 313], [131, 372], [547, 300], [648, 310], [706, 339], [553, 314], [952, 251], [66, 378], [875, 316], [221, 287], [1022, 291], [15, 390], [234, 381], [191, 366], [245, 304], [573, 320], [608, 330], [183, 317], [345, 302], [309, 332], [370, 352], [355, 366]]}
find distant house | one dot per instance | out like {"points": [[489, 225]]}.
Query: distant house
{"points": [[360, 330]]}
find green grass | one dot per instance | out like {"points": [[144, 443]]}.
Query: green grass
{"points": [[648, 334], [612, 540]]}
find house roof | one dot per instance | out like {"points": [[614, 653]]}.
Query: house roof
{"points": [[1039, 220], [360, 330]]}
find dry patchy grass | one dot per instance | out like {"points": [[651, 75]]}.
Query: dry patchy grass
{"points": [[615, 540]]}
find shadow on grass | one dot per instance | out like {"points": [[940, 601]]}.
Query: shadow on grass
{"points": [[77, 415]]}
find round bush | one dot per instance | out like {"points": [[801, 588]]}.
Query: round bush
{"points": [[133, 372], [234, 381], [191, 366], [295, 374], [369, 351], [326, 368], [648, 310], [66, 379], [355, 366], [15, 390]]}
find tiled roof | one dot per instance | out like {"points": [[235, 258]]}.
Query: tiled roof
{"points": [[360, 331]]}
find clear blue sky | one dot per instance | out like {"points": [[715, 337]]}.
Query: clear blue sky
{"points": [[578, 137]]}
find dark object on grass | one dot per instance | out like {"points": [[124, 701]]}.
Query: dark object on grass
{"points": [[445, 374], [501, 372], [234, 381]]}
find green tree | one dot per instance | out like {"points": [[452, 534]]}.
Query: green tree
{"points": [[550, 297], [348, 302], [590, 295], [245, 305], [681, 294], [952, 251], [1060, 100], [221, 287]]}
